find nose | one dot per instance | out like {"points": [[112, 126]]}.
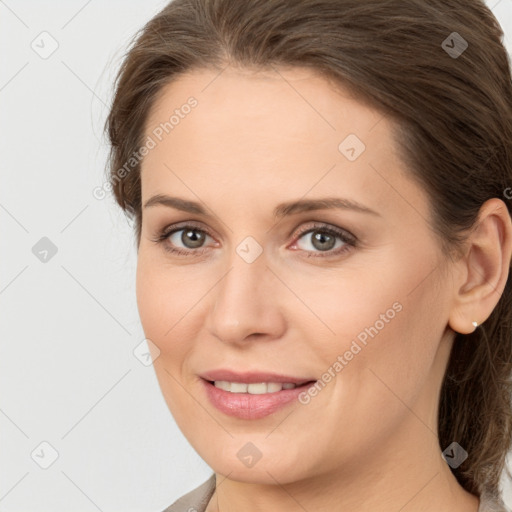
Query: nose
{"points": [[246, 303]]}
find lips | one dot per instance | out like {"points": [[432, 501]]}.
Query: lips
{"points": [[247, 406]]}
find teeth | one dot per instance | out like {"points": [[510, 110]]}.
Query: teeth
{"points": [[258, 388]]}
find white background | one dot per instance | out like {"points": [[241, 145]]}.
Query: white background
{"points": [[69, 326]]}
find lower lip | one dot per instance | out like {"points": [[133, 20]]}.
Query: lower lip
{"points": [[251, 407]]}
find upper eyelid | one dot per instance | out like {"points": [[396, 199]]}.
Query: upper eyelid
{"points": [[173, 228]]}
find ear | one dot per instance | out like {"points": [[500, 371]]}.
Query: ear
{"points": [[484, 269]]}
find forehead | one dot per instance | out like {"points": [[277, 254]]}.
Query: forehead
{"points": [[285, 129], [298, 99]]}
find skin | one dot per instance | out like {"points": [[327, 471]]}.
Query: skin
{"points": [[368, 440]]}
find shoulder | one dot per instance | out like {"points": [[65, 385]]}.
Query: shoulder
{"points": [[195, 500]]}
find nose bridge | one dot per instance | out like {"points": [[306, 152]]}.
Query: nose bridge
{"points": [[245, 299]]}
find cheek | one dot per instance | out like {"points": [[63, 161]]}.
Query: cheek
{"points": [[386, 329], [385, 365], [162, 310], [398, 341], [157, 303], [168, 302], [149, 298]]}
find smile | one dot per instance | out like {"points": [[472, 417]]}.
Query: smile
{"points": [[257, 388]]}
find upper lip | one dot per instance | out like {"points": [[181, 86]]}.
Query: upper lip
{"points": [[251, 377]]}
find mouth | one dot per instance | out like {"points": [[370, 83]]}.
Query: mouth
{"points": [[257, 388], [253, 400]]}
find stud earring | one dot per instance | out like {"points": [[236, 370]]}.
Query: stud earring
{"points": [[475, 324]]}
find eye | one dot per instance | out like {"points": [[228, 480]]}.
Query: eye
{"points": [[190, 236], [323, 240]]}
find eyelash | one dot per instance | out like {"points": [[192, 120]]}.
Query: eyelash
{"points": [[347, 238]]}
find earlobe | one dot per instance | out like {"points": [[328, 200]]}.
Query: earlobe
{"points": [[460, 321], [484, 268]]}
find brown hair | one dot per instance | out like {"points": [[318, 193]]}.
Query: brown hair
{"points": [[453, 120]]}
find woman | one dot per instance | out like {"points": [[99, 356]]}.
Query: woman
{"points": [[321, 194]]}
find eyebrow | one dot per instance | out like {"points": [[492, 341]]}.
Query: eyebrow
{"points": [[281, 210]]}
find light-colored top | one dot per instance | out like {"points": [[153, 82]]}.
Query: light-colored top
{"points": [[197, 500]]}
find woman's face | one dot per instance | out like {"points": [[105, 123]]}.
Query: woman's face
{"points": [[356, 298]]}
